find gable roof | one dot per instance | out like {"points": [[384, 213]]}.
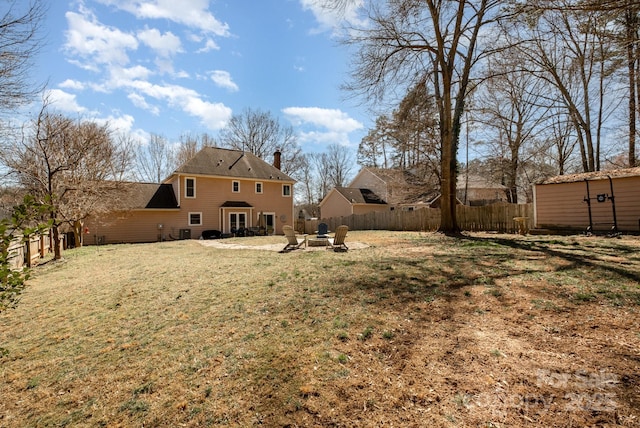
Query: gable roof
{"points": [[359, 196], [164, 197], [146, 195], [596, 175], [221, 162]]}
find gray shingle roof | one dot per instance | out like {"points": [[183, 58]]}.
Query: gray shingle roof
{"points": [[146, 195], [220, 162]]}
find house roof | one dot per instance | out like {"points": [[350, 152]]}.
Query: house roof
{"points": [[164, 197], [221, 162], [597, 175], [146, 195], [236, 204], [396, 176], [359, 196]]}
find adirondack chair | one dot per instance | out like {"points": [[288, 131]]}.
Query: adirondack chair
{"points": [[323, 230], [338, 240], [292, 240]]}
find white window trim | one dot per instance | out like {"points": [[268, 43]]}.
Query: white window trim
{"points": [[238, 214], [261, 187], [194, 187], [189, 219], [233, 185], [290, 190]]}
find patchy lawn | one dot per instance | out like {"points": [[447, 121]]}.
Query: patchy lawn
{"points": [[417, 329]]}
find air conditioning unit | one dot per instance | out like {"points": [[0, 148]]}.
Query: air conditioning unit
{"points": [[185, 233]]}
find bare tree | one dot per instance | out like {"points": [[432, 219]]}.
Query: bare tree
{"points": [[20, 41], [260, 133], [72, 166], [322, 168], [571, 51], [155, 159], [189, 145], [340, 165], [624, 15], [512, 110], [408, 40]]}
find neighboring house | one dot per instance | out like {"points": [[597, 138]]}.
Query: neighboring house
{"points": [[377, 189], [218, 189], [345, 201], [478, 190], [596, 201]]}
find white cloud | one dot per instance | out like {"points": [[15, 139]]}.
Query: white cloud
{"points": [[223, 79], [72, 84], [140, 102], [165, 45], [212, 115], [209, 45], [64, 101], [122, 124], [332, 18], [97, 43], [322, 126], [192, 13], [121, 76], [331, 119]]}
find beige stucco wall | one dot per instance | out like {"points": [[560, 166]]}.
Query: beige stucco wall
{"points": [[562, 205], [142, 225]]}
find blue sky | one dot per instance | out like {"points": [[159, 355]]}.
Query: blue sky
{"points": [[173, 67]]}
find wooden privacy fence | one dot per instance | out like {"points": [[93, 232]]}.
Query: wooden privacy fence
{"points": [[497, 217], [21, 253]]}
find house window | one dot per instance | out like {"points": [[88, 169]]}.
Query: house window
{"points": [[286, 190], [258, 187], [195, 219], [190, 187], [235, 187]]}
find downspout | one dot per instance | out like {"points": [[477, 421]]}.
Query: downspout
{"points": [[588, 201], [613, 205]]}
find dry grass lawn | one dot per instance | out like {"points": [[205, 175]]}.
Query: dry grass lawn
{"points": [[417, 329]]}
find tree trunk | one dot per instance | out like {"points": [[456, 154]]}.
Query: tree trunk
{"points": [[57, 254], [77, 233], [631, 66]]}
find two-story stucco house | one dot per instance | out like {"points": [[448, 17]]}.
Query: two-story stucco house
{"points": [[218, 189]]}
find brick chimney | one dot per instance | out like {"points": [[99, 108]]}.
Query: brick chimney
{"points": [[276, 159]]}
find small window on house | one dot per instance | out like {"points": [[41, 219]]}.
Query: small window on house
{"points": [[235, 187], [286, 190], [258, 187], [190, 187], [195, 219]]}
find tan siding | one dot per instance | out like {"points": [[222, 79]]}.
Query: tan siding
{"points": [[211, 193], [563, 205], [367, 180], [134, 226], [335, 205]]}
